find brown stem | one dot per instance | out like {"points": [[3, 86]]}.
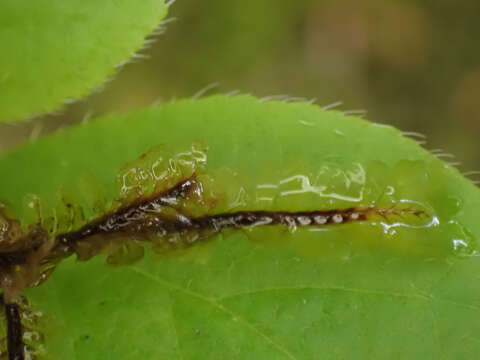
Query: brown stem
{"points": [[15, 346]]}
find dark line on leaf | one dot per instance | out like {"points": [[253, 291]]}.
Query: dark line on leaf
{"points": [[126, 216], [146, 217], [160, 216]]}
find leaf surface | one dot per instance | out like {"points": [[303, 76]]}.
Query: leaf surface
{"points": [[54, 51], [395, 287]]}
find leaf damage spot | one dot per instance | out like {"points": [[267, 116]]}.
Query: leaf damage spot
{"points": [[170, 203], [157, 219]]}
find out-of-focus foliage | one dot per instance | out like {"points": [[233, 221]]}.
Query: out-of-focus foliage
{"points": [[414, 64]]}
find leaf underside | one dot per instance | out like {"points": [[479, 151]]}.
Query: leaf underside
{"points": [[55, 51], [382, 288]]}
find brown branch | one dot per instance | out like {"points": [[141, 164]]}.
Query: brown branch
{"points": [[15, 346]]}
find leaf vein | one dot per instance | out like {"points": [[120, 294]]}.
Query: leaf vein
{"points": [[327, 288], [175, 329], [214, 303]]}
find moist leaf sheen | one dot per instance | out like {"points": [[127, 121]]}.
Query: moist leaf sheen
{"points": [[393, 284]]}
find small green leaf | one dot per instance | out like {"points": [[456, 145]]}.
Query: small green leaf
{"points": [[54, 51], [398, 284]]}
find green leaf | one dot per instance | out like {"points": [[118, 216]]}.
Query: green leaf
{"points": [[396, 285], [54, 51]]}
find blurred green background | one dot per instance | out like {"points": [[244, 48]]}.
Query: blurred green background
{"points": [[412, 64]]}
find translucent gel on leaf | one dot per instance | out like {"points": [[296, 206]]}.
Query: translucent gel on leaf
{"points": [[54, 51], [396, 285]]}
